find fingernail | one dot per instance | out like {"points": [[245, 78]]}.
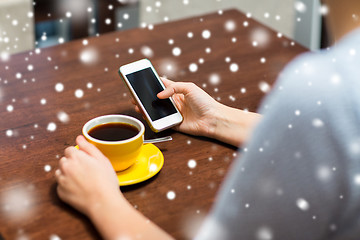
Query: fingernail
{"points": [[57, 172]]}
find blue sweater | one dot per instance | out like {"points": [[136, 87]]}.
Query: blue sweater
{"points": [[299, 175]]}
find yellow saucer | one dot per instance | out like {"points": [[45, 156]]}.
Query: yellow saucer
{"points": [[148, 164]]}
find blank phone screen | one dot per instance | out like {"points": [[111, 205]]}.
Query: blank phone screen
{"points": [[147, 86]]}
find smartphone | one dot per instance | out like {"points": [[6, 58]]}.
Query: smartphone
{"points": [[144, 84]]}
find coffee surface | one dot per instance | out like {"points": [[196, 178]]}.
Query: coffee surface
{"points": [[113, 131]]}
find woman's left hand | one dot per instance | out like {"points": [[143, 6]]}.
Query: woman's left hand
{"points": [[86, 178]]}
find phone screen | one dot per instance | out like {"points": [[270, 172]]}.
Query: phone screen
{"points": [[147, 86]]}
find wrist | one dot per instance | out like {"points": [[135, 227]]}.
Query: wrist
{"points": [[103, 205], [234, 126]]}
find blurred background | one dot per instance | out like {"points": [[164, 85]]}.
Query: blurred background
{"points": [[29, 24]]}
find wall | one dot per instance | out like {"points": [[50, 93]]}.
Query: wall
{"points": [[16, 26], [277, 14]]}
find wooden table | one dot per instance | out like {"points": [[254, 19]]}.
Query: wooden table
{"points": [[46, 96]]}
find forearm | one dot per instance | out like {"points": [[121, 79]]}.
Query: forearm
{"points": [[117, 219], [234, 126]]}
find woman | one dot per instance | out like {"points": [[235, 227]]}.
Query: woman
{"points": [[299, 179]]}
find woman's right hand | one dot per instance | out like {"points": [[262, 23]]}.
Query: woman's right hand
{"points": [[196, 106], [203, 116]]}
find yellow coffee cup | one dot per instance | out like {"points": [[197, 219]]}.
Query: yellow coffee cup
{"points": [[118, 137]]}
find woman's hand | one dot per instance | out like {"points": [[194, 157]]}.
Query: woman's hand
{"points": [[196, 106], [86, 178], [203, 116]]}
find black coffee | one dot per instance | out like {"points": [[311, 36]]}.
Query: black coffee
{"points": [[113, 131]]}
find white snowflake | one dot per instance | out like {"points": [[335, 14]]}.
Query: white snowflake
{"points": [[59, 87], [324, 173], [234, 67], [259, 37], [5, 56], [352, 52], [230, 25], [51, 127], [10, 108], [79, 93], [302, 204], [147, 51], [264, 233], [317, 123], [126, 16], [324, 10], [206, 34], [30, 67], [300, 6], [63, 117], [191, 163], [357, 179], [47, 168], [335, 79], [88, 56], [214, 79], [54, 237], [171, 195], [354, 147], [9, 133], [193, 67], [158, 4], [264, 86]]}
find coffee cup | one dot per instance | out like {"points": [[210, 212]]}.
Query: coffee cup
{"points": [[118, 137]]}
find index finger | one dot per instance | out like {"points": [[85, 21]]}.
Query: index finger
{"points": [[166, 81], [176, 87], [89, 148]]}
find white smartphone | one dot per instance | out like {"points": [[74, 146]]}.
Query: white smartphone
{"points": [[144, 84]]}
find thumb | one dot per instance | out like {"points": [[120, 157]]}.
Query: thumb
{"points": [[89, 148], [176, 87]]}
